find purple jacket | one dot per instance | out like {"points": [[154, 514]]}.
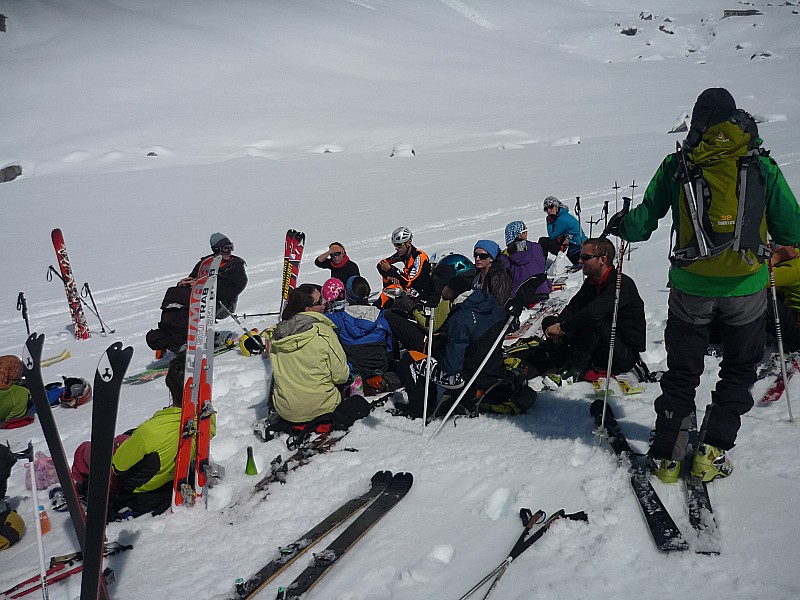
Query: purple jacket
{"points": [[524, 264]]}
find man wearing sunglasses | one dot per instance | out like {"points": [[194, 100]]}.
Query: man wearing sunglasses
{"points": [[415, 274], [231, 280], [579, 338], [335, 258]]}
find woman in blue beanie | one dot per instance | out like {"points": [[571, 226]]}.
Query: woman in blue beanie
{"points": [[492, 277]]}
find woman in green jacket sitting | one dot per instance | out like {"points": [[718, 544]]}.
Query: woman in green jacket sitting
{"points": [[309, 364]]}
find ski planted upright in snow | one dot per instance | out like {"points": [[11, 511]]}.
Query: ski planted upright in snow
{"points": [[292, 255], [107, 383], [205, 410], [196, 387], [665, 532], [73, 298], [324, 561], [31, 360], [290, 553]]}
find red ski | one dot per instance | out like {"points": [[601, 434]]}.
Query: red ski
{"points": [[73, 298], [196, 387], [293, 254]]}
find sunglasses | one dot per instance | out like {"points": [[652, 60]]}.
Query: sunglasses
{"points": [[320, 301], [400, 245], [585, 257], [226, 249], [480, 256], [336, 254]]}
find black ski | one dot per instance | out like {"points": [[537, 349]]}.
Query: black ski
{"points": [[290, 553], [665, 532], [395, 490], [701, 514], [31, 361], [107, 383]]}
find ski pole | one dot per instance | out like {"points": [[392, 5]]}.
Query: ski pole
{"points": [[263, 314], [50, 270], [633, 188], [85, 291], [29, 454], [626, 204], [428, 366], [22, 305], [529, 519], [580, 224], [604, 213], [779, 336], [256, 338], [616, 189], [474, 376]]}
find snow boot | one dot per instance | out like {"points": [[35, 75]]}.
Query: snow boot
{"points": [[711, 462]]}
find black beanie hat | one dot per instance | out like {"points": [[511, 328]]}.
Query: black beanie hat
{"points": [[713, 106]]}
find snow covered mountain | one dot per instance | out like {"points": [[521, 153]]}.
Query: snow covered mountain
{"points": [[142, 127]]}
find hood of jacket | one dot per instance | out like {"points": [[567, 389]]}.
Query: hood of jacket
{"points": [[723, 141], [293, 334], [363, 320]]}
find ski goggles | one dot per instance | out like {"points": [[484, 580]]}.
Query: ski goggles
{"points": [[226, 249]]}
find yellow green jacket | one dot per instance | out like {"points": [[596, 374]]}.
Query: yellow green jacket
{"points": [[787, 282], [146, 460], [13, 402], [308, 362]]}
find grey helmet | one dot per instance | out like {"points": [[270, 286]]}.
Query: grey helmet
{"points": [[401, 235]]}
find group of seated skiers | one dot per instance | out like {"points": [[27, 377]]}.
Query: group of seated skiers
{"points": [[336, 344]]}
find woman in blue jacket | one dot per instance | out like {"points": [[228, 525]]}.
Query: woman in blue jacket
{"points": [[562, 230]]}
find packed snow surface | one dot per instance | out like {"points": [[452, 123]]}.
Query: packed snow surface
{"points": [[142, 127]]}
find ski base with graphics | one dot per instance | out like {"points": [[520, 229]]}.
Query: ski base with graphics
{"points": [[79, 323]]}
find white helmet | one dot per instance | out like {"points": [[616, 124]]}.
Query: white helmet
{"points": [[401, 235]]}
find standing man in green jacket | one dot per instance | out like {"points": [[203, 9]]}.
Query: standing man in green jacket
{"points": [[725, 195]]}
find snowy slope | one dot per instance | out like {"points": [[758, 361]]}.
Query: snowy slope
{"points": [[270, 115]]}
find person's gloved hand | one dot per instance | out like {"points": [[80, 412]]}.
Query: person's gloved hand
{"points": [[616, 219], [404, 303], [254, 344], [514, 306]]}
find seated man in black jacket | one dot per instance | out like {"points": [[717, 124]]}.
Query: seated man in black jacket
{"points": [[231, 280], [579, 338]]}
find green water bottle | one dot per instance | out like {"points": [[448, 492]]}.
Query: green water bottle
{"points": [[251, 468]]}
